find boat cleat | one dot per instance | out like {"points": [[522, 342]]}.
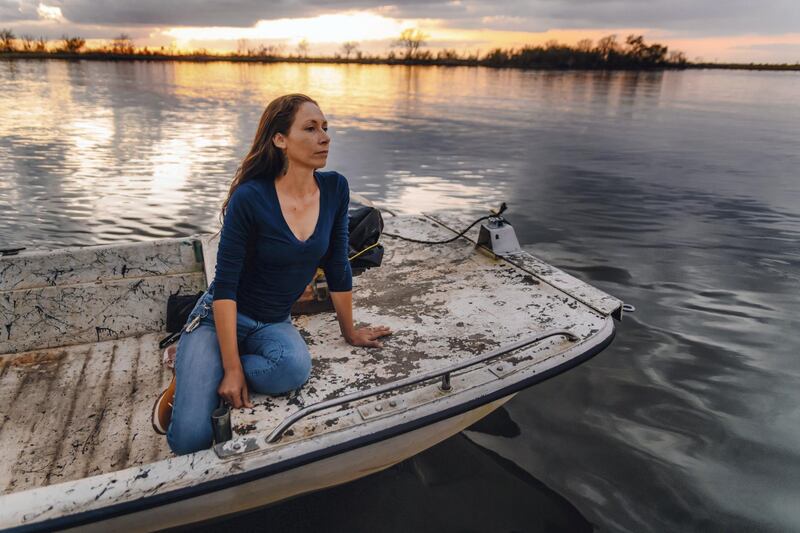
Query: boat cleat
{"points": [[236, 446]]}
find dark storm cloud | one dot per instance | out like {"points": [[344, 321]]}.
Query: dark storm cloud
{"points": [[694, 17]]}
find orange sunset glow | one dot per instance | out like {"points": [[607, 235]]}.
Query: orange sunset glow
{"points": [[375, 32]]}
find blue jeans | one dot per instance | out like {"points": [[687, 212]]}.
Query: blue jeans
{"points": [[275, 360]]}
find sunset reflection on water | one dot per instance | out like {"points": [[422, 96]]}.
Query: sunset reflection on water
{"points": [[141, 150], [137, 150]]}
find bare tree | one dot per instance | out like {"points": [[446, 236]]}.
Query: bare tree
{"points": [[242, 47], [636, 44], [411, 39], [302, 48], [270, 50], [72, 44], [122, 44], [348, 48], [607, 45], [27, 42], [447, 54], [41, 45], [584, 45], [6, 40], [640, 52], [677, 58]]}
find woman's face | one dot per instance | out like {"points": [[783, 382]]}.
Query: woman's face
{"points": [[307, 142]]}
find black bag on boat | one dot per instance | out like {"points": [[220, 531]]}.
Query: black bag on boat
{"points": [[178, 308], [365, 227]]}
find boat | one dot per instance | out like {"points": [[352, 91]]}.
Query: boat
{"points": [[81, 367]]}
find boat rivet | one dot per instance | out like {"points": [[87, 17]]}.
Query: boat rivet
{"points": [[236, 445], [378, 407], [393, 403]]}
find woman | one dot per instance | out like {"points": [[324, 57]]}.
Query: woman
{"points": [[282, 219]]}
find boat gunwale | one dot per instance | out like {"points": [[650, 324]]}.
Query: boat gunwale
{"points": [[221, 483]]}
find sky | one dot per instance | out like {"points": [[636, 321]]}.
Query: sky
{"points": [[709, 30]]}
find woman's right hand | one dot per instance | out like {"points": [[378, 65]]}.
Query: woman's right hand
{"points": [[233, 389]]}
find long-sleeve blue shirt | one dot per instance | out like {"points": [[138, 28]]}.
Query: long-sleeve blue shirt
{"points": [[263, 266]]}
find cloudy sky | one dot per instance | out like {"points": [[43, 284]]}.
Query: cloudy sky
{"points": [[724, 30]]}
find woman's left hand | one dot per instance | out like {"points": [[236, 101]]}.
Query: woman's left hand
{"points": [[366, 336]]}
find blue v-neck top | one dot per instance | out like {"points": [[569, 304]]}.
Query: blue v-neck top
{"points": [[263, 266]]}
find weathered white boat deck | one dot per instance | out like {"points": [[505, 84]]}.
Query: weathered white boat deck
{"points": [[80, 410]]}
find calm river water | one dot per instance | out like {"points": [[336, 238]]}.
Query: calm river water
{"points": [[677, 192]]}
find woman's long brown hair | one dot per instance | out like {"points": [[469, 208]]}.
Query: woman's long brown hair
{"points": [[265, 161]]}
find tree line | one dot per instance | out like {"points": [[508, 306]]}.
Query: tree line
{"points": [[607, 52], [122, 44]]}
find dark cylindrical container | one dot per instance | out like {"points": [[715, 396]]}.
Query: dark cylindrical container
{"points": [[221, 422]]}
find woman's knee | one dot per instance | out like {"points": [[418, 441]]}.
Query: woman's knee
{"points": [[297, 366], [269, 376], [296, 362], [189, 434], [293, 370], [190, 427]]}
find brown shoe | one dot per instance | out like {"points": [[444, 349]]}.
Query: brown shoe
{"points": [[162, 408]]}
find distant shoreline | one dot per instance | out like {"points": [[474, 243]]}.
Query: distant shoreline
{"points": [[102, 56]]}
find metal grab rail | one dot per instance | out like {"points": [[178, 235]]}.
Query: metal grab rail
{"points": [[444, 373]]}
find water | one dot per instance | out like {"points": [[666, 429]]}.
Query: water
{"points": [[677, 192]]}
